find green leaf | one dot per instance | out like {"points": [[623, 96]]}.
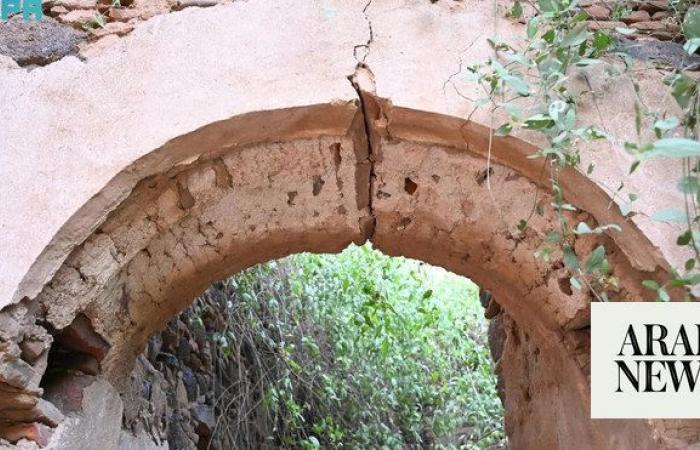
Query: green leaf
{"points": [[595, 259], [692, 45], [591, 133], [625, 209], [651, 285], [498, 44], [504, 130], [626, 31], [669, 215], [667, 124], [689, 185], [532, 27], [679, 282], [314, 442], [634, 167], [513, 110], [549, 36], [663, 295], [569, 120], [690, 264], [682, 89], [562, 140], [554, 237], [685, 238], [583, 228], [672, 148], [517, 84], [576, 35], [575, 283], [570, 258], [520, 58], [555, 108], [548, 6], [385, 348], [691, 23], [538, 122], [585, 62], [517, 10], [544, 253], [601, 41]]}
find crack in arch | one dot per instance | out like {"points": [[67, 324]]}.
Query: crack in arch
{"points": [[185, 218]]}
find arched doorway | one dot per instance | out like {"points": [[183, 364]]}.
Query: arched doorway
{"points": [[415, 184]]}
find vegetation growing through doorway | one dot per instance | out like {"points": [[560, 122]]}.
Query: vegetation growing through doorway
{"points": [[559, 44], [359, 351]]}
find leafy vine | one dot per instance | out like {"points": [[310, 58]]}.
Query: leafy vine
{"points": [[560, 42]]}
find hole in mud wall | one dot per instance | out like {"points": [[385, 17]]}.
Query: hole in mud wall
{"points": [[409, 186], [44, 377], [565, 286], [337, 157], [291, 196], [73, 363], [317, 185], [483, 175], [286, 355]]}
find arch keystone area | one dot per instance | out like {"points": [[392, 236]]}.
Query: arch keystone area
{"points": [[210, 140]]}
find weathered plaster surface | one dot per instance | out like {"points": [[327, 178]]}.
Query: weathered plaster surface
{"points": [[83, 123], [420, 57], [73, 126]]}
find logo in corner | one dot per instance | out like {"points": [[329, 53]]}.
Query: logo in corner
{"points": [[30, 9], [645, 360]]}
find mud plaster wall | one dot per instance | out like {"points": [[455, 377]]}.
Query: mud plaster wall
{"points": [[390, 178]]}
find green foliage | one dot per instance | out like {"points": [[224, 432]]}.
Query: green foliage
{"points": [[691, 23], [677, 138], [558, 42], [378, 353], [97, 21], [620, 11]]}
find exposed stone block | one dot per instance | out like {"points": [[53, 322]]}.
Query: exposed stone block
{"points": [[204, 419], [80, 336], [598, 12], [649, 26], [637, 16], [652, 6], [16, 401], [77, 17], [37, 432], [43, 412], [15, 372], [66, 391], [32, 349]]}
